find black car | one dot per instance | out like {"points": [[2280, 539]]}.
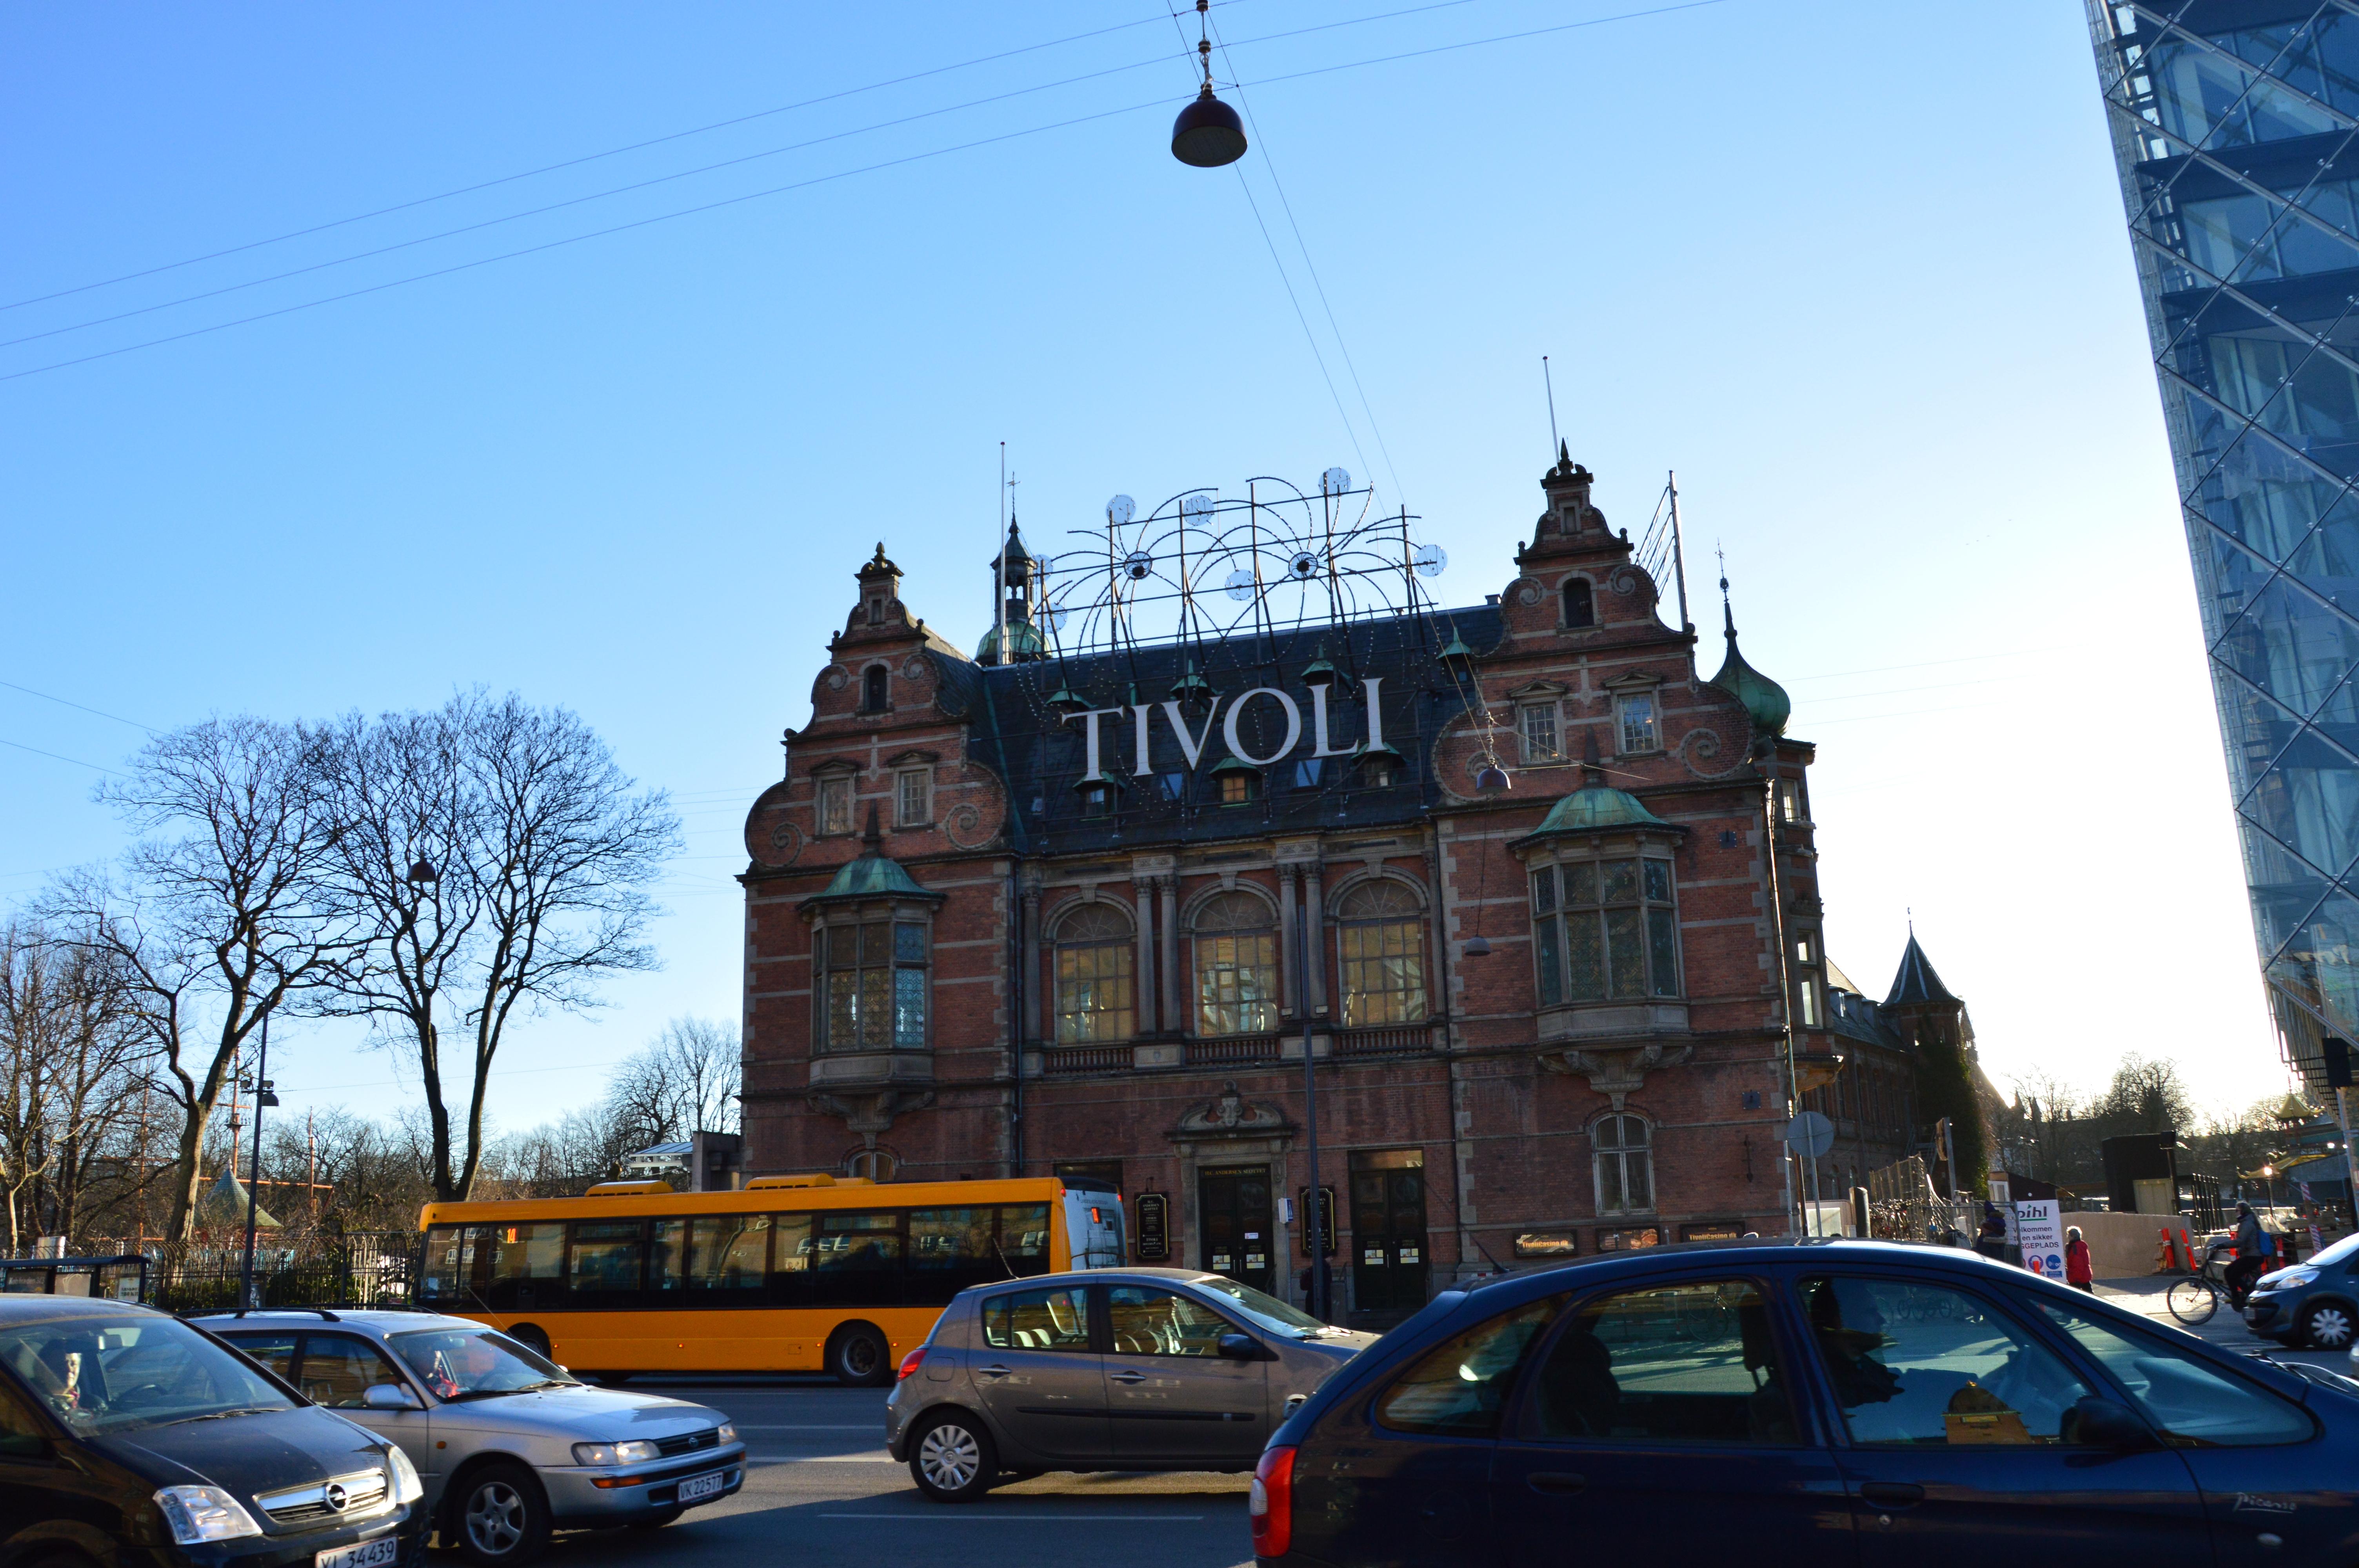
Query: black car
{"points": [[130, 1438], [1810, 1402]]}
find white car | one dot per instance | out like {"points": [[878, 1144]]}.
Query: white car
{"points": [[510, 1445]]}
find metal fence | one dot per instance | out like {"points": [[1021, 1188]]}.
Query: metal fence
{"points": [[364, 1271]]}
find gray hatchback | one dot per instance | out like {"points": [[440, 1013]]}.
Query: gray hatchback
{"points": [[1108, 1370]]}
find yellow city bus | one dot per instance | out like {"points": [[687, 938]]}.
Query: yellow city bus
{"points": [[792, 1275]]}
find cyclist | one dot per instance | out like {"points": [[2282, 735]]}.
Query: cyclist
{"points": [[2255, 1249]]}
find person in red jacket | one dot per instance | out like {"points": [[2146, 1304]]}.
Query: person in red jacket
{"points": [[2077, 1272]]}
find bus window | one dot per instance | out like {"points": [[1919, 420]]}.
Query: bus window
{"points": [[856, 1260], [728, 1252], [525, 1269], [667, 1255], [606, 1257], [1023, 1238], [949, 1249], [449, 1272], [791, 1261]]}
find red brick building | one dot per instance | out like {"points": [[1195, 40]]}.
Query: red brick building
{"points": [[1040, 913]]}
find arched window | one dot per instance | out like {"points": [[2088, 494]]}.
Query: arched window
{"points": [[1236, 967], [1094, 955], [1626, 1164], [1380, 951], [1580, 610], [873, 689], [878, 1165]]}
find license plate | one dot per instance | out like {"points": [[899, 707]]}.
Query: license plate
{"points": [[694, 1487], [381, 1553]]}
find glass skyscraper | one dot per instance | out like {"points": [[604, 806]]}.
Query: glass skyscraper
{"points": [[2235, 126]]}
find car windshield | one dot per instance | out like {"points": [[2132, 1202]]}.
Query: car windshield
{"points": [[1267, 1311], [109, 1373], [474, 1363], [2341, 1251]]}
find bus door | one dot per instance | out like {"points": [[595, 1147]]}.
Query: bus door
{"points": [[1094, 1230]]}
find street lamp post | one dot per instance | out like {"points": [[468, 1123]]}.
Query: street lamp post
{"points": [[262, 1097], [1313, 1228]]}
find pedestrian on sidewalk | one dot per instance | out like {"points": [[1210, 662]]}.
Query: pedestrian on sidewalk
{"points": [[2077, 1272]]}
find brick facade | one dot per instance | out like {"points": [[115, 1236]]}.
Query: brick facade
{"points": [[937, 878]]}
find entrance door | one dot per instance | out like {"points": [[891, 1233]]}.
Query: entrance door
{"points": [[1235, 1232], [1388, 1261]]}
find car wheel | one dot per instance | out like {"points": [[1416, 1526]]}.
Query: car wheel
{"points": [[951, 1459], [499, 1517], [655, 1521], [2327, 1327], [532, 1339], [859, 1357]]}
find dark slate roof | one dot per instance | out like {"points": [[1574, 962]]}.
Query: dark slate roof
{"points": [[1854, 1017], [1016, 732], [1916, 983]]}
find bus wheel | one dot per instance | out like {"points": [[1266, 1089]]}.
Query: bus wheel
{"points": [[531, 1338], [859, 1356]]}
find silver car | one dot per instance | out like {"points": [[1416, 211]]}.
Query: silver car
{"points": [[1110, 1370], [508, 1444]]}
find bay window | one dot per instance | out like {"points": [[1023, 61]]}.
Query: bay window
{"points": [[1604, 930], [872, 981]]}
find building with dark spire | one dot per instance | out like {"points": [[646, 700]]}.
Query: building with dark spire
{"points": [[1540, 902]]}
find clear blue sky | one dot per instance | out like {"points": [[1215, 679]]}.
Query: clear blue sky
{"points": [[1860, 277]]}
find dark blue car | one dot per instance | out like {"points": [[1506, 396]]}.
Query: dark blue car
{"points": [[1822, 1402]]}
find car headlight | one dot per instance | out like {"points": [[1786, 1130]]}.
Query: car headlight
{"points": [[204, 1513], [727, 1434], [407, 1486], [2286, 1279], [637, 1452]]}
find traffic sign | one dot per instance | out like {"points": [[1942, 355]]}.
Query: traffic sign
{"points": [[1809, 1134]]}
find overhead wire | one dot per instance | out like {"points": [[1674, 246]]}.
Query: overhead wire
{"points": [[586, 158], [67, 702], [653, 180], [1342, 347], [827, 178]]}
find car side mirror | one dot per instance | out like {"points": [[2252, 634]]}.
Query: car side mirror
{"points": [[2105, 1423], [389, 1397], [1239, 1347], [23, 1445]]}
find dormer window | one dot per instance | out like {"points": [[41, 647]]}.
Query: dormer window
{"points": [[874, 689], [1580, 609], [1097, 800], [1236, 782], [1637, 721]]}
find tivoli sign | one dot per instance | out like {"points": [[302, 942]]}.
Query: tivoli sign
{"points": [[1192, 742]]}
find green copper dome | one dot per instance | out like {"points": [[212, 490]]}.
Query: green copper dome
{"points": [[1762, 698], [1023, 643], [874, 876], [1597, 805]]}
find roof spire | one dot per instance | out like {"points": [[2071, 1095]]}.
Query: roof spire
{"points": [[1727, 614], [1764, 699]]}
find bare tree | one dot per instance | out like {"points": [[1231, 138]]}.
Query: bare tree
{"points": [[216, 925], [682, 1082], [499, 859], [2145, 1095]]}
